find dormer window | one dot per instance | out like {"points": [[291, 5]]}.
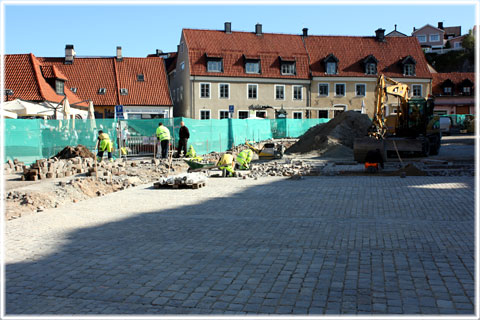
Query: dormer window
{"points": [[447, 91], [9, 92], [288, 66], [331, 64], [370, 64], [252, 64], [74, 90], [214, 63], [467, 87], [102, 90], [448, 86], [59, 87], [409, 66], [123, 91], [140, 77]]}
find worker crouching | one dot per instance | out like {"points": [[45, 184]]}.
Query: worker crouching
{"points": [[104, 144], [226, 164], [243, 159]]}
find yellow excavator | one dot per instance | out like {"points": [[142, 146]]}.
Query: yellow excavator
{"points": [[268, 151], [413, 129]]}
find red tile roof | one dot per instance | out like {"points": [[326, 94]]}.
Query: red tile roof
{"points": [[351, 51], [233, 46], [455, 77], [23, 75], [89, 75]]}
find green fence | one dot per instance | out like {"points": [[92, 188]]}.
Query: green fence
{"points": [[31, 139]]}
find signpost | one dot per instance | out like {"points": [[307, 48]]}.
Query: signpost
{"points": [[231, 110], [119, 112]]}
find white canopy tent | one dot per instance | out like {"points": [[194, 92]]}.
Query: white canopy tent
{"points": [[7, 114], [24, 108]]}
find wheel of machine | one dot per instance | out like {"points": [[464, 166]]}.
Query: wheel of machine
{"points": [[434, 146]]}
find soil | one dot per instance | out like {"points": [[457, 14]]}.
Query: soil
{"points": [[332, 138], [72, 152]]}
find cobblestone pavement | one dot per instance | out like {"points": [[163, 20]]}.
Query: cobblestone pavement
{"points": [[319, 245]]}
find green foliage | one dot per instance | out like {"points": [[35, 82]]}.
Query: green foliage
{"points": [[469, 41], [452, 61]]}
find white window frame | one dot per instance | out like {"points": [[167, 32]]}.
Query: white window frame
{"points": [[297, 112], [220, 112], [457, 45], [220, 91], [261, 111], [293, 93], [209, 114], [407, 67], [467, 90], [238, 114], [291, 68], [369, 70], [328, 89], [413, 90], [327, 71], [256, 91], [252, 62], [275, 92], [422, 36], [344, 87], [447, 92], [209, 90], [220, 64], [181, 93], [435, 35], [365, 91]]}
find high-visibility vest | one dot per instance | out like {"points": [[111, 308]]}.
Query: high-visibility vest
{"points": [[191, 152], [163, 133], [245, 157], [226, 160], [105, 143]]}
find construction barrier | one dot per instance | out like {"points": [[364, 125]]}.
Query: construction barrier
{"points": [[31, 139]]}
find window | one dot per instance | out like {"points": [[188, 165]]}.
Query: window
{"points": [[457, 45], [322, 114], [59, 87], [74, 90], [261, 114], [360, 89], [422, 38], [123, 91], [339, 89], [416, 90], [205, 90], [467, 91], [214, 65], [371, 68], [204, 114], [409, 70], [140, 77], [279, 92], [181, 92], [447, 90], [323, 89], [297, 115], [434, 37], [223, 114], [182, 66], [252, 67], [331, 68], [178, 94], [102, 91], [9, 92], [297, 92], [252, 91], [288, 68], [224, 91], [242, 114]]}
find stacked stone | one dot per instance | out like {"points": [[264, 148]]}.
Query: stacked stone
{"points": [[14, 166], [295, 168], [56, 168]]}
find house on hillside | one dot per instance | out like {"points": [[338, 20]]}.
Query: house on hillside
{"points": [[434, 39], [454, 92], [138, 84], [271, 75], [28, 79], [395, 33]]}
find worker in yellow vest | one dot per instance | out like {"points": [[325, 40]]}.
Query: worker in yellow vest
{"points": [[163, 135], [226, 164], [243, 159], [104, 144]]}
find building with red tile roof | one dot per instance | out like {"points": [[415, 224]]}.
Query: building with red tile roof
{"points": [[454, 92], [265, 74]]}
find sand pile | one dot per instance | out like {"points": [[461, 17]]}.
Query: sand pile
{"points": [[334, 137], [70, 152]]}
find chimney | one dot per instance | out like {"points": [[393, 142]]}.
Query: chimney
{"points": [[305, 32], [228, 27], [440, 25], [395, 27], [119, 54], [158, 52], [69, 54], [258, 29], [380, 35], [414, 29]]}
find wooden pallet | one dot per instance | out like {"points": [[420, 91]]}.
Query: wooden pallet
{"points": [[158, 185]]}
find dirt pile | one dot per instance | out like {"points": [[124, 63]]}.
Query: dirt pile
{"points": [[335, 136], [79, 151]]}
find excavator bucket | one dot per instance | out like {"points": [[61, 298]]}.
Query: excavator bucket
{"points": [[361, 146]]}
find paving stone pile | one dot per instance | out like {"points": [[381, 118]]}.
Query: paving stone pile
{"points": [[285, 169], [14, 166]]}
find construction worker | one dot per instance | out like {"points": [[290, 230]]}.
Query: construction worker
{"points": [[243, 159], [163, 135], [226, 164], [104, 144], [193, 155]]}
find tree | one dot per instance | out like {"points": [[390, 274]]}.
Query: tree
{"points": [[468, 42]]}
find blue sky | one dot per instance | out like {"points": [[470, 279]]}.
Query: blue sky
{"points": [[96, 30]]}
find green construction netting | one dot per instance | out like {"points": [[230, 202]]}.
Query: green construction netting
{"points": [[31, 139]]}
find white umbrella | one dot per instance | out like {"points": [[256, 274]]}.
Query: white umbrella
{"points": [[91, 115], [66, 109], [25, 109], [363, 106], [8, 114]]}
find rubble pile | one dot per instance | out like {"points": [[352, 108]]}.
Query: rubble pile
{"points": [[334, 138], [274, 168], [70, 152], [193, 180], [13, 166]]}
